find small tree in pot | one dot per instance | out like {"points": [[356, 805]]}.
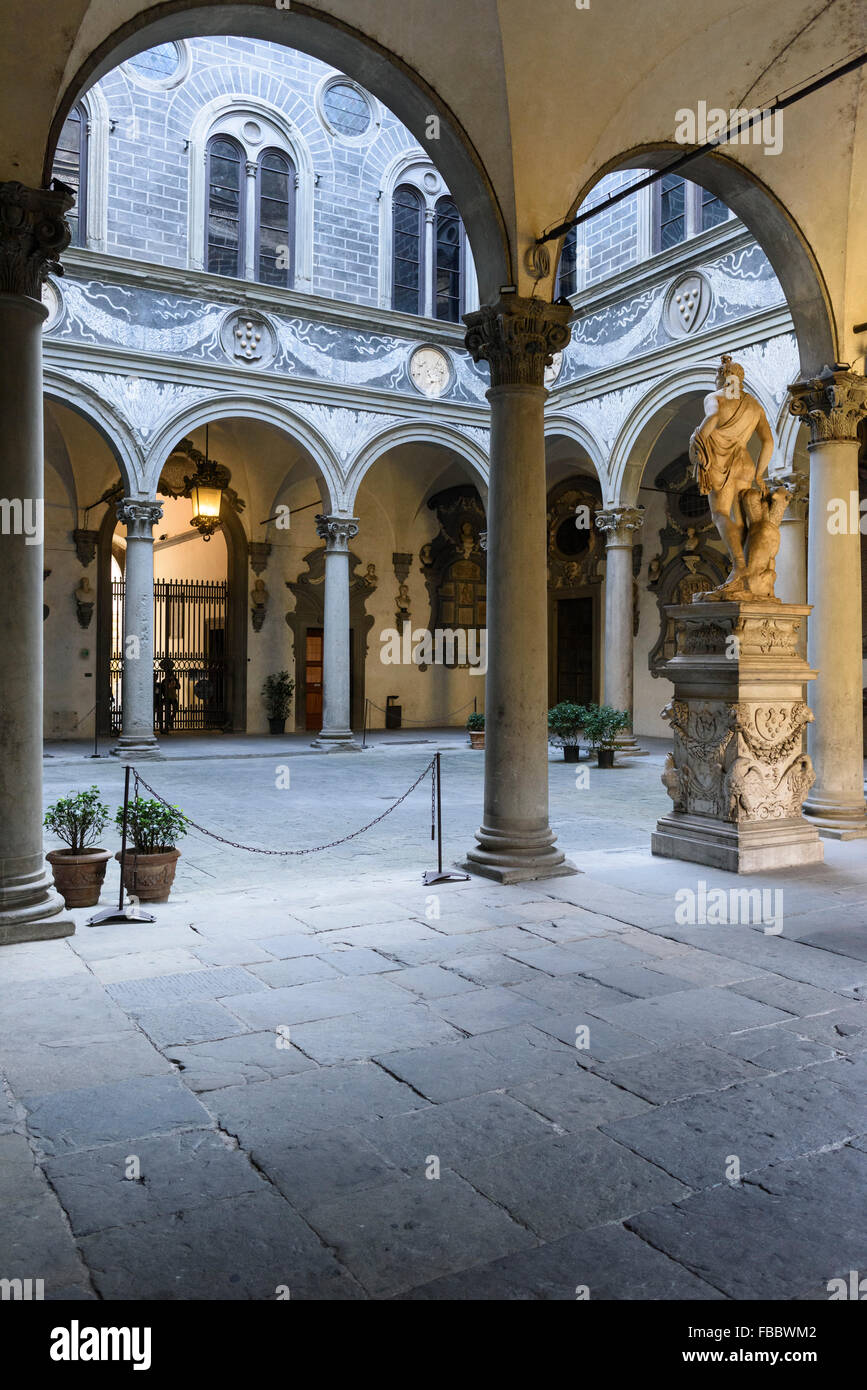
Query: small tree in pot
{"points": [[602, 724], [565, 723], [277, 692], [78, 820], [476, 729], [149, 865]]}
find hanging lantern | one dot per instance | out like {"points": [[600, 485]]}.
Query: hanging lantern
{"points": [[206, 494]]}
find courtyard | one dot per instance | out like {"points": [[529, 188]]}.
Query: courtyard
{"points": [[317, 1078]]}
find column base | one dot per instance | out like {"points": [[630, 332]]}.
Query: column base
{"points": [[516, 856], [836, 820], [30, 909], [747, 847], [136, 748], [336, 741]]}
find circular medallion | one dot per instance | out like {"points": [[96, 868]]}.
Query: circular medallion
{"points": [[552, 372], [430, 371], [252, 132], [53, 301]]}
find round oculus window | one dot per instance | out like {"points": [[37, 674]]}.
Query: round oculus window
{"points": [[162, 66], [346, 109]]}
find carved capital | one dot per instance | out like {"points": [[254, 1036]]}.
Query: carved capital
{"points": [[619, 523], [832, 403], [33, 233], [258, 552], [517, 338], [139, 518], [336, 531]]}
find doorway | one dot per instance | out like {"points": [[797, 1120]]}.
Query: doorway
{"points": [[574, 673]]}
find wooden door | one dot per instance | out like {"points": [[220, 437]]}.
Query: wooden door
{"points": [[575, 650], [313, 678]]}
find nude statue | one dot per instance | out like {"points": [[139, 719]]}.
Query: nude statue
{"points": [[727, 475]]}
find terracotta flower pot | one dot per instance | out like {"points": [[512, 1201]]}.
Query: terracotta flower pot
{"points": [[149, 877], [78, 878], [477, 738]]}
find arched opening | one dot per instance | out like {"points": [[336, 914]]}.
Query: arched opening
{"points": [[576, 568]]}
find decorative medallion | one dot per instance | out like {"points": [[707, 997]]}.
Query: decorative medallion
{"points": [[552, 372], [53, 301], [687, 305], [430, 371], [248, 337]]}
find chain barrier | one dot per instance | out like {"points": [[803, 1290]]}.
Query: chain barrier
{"points": [[314, 849], [428, 723]]}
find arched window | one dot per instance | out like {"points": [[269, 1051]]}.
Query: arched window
{"points": [[70, 167], [275, 218], [408, 223], [224, 226], [567, 269], [448, 273]]}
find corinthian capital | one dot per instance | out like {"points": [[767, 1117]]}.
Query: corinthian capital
{"points": [[139, 518], [33, 233], [336, 531], [833, 403], [618, 523], [517, 338]]}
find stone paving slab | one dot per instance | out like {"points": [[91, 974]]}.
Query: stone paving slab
{"points": [[491, 968], [635, 980], [483, 1010], [675, 1073], [209, 1066], [122, 1111], [158, 990], [455, 1132], [781, 1235], [449, 1071], [323, 999], [78, 1010], [356, 960], [290, 1107], [609, 1262], [792, 996], [572, 1182], [38, 962], [322, 1167], [760, 1122], [578, 1099], [400, 1232], [430, 981], [775, 1049], [244, 1247], [138, 965], [579, 993], [600, 1041], [39, 1068], [178, 1171], [779, 956], [35, 1244], [197, 1020], [844, 1029], [696, 1014], [358, 1036], [298, 970]]}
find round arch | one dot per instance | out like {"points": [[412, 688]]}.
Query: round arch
{"points": [[266, 412], [773, 227], [573, 429], [648, 418], [400, 88], [418, 432], [109, 425]]}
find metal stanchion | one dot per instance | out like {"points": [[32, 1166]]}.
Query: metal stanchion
{"points": [[121, 913], [439, 874]]}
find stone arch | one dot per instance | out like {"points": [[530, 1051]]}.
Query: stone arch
{"points": [[773, 227], [400, 88], [268, 412], [417, 432], [108, 424], [647, 419], [577, 431]]}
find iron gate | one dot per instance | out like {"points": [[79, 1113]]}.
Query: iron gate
{"points": [[190, 658]]}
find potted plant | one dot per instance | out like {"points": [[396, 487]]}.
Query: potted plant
{"points": [[602, 724], [152, 857], [476, 730], [277, 692], [565, 722], [78, 820]]}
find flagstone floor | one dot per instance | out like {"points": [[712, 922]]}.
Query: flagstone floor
{"points": [[315, 1076]]}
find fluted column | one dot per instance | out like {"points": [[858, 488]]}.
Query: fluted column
{"points": [[518, 338], [336, 732], [138, 740], [619, 525], [833, 404], [33, 231]]}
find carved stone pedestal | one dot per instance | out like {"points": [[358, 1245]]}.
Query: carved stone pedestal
{"points": [[738, 775]]}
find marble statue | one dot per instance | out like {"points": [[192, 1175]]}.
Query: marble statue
{"points": [[746, 517]]}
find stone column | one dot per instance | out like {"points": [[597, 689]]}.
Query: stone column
{"points": [[33, 231], [427, 264], [619, 525], [833, 404], [248, 212], [138, 740], [791, 562], [517, 337], [336, 732]]}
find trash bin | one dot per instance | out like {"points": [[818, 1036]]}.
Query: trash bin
{"points": [[393, 712]]}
